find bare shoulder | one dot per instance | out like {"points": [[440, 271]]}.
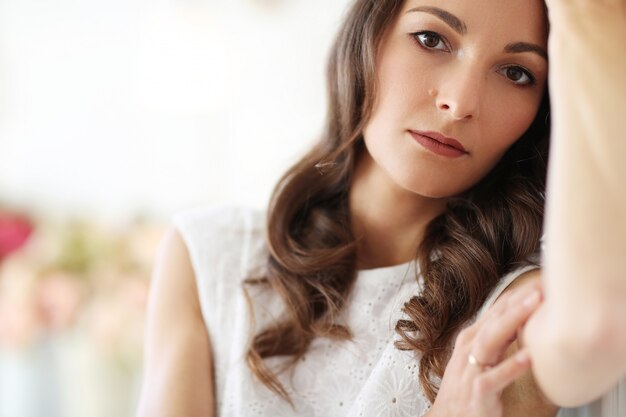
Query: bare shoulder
{"points": [[173, 278], [173, 302], [527, 278], [177, 357]]}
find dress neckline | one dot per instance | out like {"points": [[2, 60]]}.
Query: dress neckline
{"points": [[400, 270]]}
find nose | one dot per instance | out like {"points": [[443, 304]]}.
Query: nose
{"points": [[460, 92]]}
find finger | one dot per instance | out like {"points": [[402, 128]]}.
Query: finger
{"points": [[520, 293], [492, 316], [466, 337], [497, 307], [494, 337], [495, 379], [493, 312], [514, 297]]}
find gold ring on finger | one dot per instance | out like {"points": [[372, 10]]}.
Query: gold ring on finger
{"points": [[471, 359]]}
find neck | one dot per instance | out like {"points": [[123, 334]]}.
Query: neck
{"points": [[388, 221]]}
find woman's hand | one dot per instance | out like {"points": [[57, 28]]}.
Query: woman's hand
{"points": [[477, 372]]}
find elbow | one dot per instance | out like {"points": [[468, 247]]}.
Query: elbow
{"points": [[587, 358], [596, 334], [565, 381]]}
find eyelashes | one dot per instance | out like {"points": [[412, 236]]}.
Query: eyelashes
{"points": [[518, 75], [433, 42], [430, 40]]}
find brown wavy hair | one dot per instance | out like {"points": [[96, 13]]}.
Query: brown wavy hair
{"points": [[483, 233]]}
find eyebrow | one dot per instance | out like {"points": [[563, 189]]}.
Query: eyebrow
{"points": [[518, 47], [452, 21], [461, 28]]}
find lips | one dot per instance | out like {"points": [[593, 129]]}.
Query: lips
{"points": [[453, 143], [439, 144]]}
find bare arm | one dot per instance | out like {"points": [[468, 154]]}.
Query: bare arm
{"points": [[177, 365], [577, 338]]}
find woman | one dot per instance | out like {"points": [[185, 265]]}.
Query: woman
{"points": [[435, 149]]}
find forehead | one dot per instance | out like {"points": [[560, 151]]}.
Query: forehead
{"points": [[511, 19]]}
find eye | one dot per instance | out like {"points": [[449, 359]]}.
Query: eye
{"points": [[430, 40], [518, 75]]}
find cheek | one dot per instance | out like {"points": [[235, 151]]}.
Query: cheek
{"points": [[400, 87], [504, 130], [510, 126]]}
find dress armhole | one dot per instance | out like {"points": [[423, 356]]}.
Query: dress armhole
{"points": [[213, 237], [224, 243], [503, 284]]}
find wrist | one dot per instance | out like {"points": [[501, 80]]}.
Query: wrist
{"points": [[587, 19]]}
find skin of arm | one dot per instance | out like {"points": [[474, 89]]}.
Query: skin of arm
{"points": [[576, 339], [178, 378]]}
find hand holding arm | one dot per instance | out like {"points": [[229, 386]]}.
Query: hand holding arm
{"points": [[486, 375]]}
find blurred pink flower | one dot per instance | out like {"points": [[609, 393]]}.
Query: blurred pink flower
{"points": [[14, 232]]}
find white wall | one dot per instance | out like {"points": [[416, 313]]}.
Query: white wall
{"points": [[110, 108]]}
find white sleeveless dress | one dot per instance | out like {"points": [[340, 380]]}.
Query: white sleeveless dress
{"points": [[366, 377]]}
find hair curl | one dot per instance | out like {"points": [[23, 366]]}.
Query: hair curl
{"points": [[483, 234]]}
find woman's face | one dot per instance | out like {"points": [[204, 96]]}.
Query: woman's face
{"points": [[458, 82]]}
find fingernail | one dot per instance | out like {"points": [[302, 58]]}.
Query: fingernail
{"points": [[522, 357], [532, 299]]}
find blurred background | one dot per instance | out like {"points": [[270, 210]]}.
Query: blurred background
{"points": [[113, 116]]}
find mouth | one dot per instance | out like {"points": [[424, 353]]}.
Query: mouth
{"points": [[438, 143]]}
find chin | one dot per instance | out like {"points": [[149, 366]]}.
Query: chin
{"points": [[434, 191], [432, 187]]}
